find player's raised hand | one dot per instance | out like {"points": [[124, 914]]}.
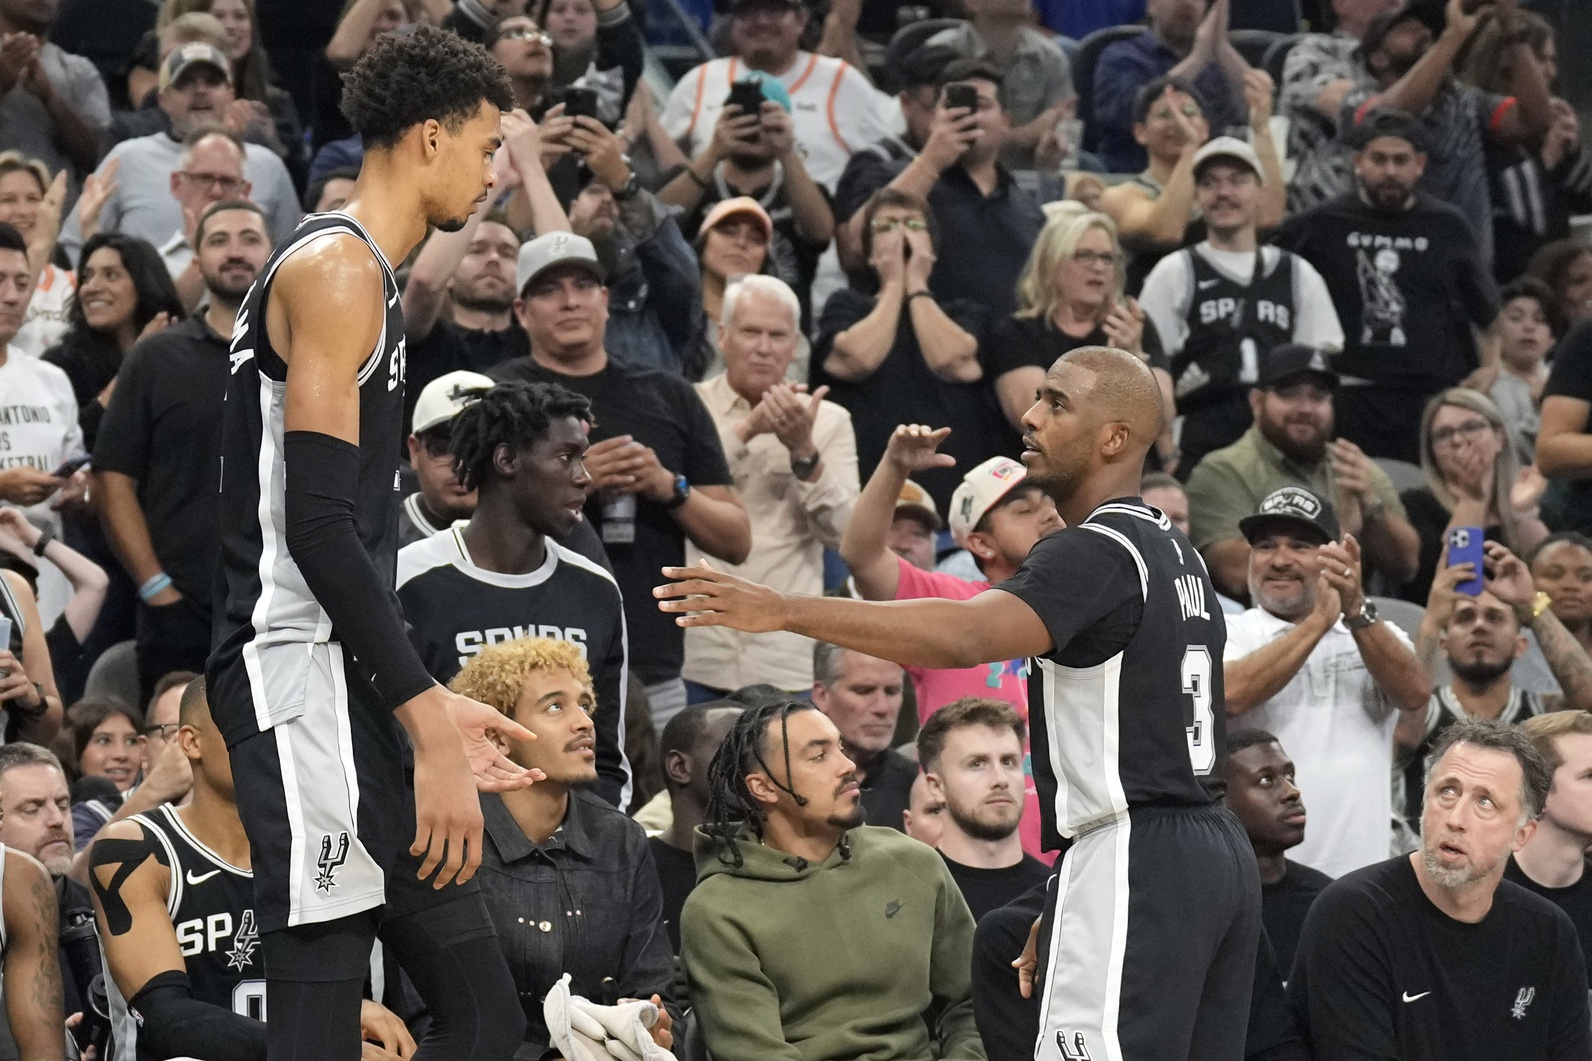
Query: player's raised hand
{"points": [[912, 448], [702, 596]]}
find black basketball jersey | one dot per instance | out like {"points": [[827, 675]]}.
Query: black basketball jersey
{"points": [[1231, 326], [265, 613], [211, 904], [1126, 710]]}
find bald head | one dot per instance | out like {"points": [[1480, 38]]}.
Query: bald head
{"points": [[1124, 390]]}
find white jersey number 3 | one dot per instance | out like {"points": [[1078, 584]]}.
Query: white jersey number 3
{"points": [[1197, 684]]}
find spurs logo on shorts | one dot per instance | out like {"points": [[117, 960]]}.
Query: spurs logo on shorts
{"points": [[1077, 1050], [244, 943], [331, 861]]}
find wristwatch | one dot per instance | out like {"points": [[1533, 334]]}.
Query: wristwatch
{"points": [[1366, 616], [682, 493], [802, 467], [628, 190]]}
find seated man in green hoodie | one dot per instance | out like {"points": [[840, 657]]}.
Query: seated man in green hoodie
{"points": [[811, 935]]}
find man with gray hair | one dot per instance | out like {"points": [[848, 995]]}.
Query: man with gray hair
{"points": [[793, 459], [1433, 954], [861, 695]]}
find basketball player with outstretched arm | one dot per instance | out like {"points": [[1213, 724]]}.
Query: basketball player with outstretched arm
{"points": [[312, 676], [1147, 944]]}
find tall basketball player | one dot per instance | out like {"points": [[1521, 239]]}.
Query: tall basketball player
{"points": [[1149, 938], [312, 680]]}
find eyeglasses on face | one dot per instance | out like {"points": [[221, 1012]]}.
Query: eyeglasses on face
{"points": [[163, 730], [1110, 259], [526, 33], [225, 185], [1470, 429], [890, 224]]}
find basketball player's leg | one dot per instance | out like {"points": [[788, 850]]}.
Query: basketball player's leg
{"points": [[1007, 1022], [1222, 1027]]}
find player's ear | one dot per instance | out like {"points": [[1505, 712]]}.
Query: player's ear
{"points": [[505, 460]]}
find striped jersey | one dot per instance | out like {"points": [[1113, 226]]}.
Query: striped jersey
{"points": [[1126, 710], [266, 615]]}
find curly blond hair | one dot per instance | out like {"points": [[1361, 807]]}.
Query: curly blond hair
{"points": [[496, 675]]}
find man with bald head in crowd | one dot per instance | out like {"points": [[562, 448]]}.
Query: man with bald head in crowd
{"points": [[1152, 953]]}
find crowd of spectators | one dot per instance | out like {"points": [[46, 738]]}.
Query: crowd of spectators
{"points": [[781, 312]]}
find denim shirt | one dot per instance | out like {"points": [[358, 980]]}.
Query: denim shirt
{"points": [[587, 902]]}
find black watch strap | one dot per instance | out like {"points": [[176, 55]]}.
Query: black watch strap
{"points": [[682, 492]]}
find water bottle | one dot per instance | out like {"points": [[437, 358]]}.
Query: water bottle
{"points": [[619, 519]]}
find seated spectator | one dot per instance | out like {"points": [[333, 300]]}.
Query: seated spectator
{"points": [[331, 192], [503, 575], [1311, 662], [734, 241], [1553, 863], [914, 527], [1070, 295], [1038, 82], [1408, 56], [124, 294], [1566, 266], [1561, 566], [30, 201], [755, 156], [972, 756], [100, 738], [658, 471], [924, 818], [1291, 443], [891, 350], [786, 808], [1480, 636], [53, 105], [688, 745], [1219, 305], [32, 963], [1187, 39], [1534, 187], [972, 196], [211, 170], [1162, 491], [203, 994], [834, 110], [1405, 273], [861, 695], [793, 459], [154, 459], [557, 847], [1472, 480], [196, 91], [26, 543], [1262, 793], [1320, 70], [1421, 928], [440, 500], [1527, 327]]}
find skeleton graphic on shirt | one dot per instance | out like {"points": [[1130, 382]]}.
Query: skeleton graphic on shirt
{"points": [[1382, 304]]}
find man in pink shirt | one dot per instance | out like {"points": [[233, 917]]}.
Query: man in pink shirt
{"points": [[996, 517]]}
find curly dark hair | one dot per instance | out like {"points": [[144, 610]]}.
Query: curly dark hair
{"points": [[405, 78], [730, 803], [513, 413]]}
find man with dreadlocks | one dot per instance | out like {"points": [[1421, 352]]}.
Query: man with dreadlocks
{"points": [[1149, 934], [503, 576], [810, 934]]}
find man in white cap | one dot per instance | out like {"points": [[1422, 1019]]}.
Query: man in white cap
{"points": [[995, 515], [658, 474], [1220, 305]]}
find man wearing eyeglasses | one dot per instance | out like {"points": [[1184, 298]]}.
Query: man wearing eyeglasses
{"points": [[211, 170]]}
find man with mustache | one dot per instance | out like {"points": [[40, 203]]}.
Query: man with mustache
{"points": [[1409, 279], [1311, 662], [1291, 444], [1433, 955], [155, 467], [1220, 305]]}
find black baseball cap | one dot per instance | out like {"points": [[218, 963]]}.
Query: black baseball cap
{"points": [[1427, 12], [1290, 360], [914, 67], [1296, 507], [1387, 121]]}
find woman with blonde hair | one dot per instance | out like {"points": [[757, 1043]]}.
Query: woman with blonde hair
{"points": [[30, 201], [1472, 480]]}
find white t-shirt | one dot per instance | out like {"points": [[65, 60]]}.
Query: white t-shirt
{"points": [[38, 428], [1169, 289], [1337, 726], [836, 111], [45, 320]]}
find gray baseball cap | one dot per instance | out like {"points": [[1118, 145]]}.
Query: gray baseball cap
{"points": [[553, 249]]}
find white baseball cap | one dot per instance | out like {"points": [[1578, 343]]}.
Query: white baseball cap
{"points": [[981, 490], [442, 399], [553, 249], [1229, 147]]}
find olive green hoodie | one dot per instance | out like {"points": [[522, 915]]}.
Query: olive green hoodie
{"points": [[865, 955]]}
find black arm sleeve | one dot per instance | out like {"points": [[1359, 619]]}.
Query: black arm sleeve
{"points": [[178, 1025], [619, 44], [322, 477]]}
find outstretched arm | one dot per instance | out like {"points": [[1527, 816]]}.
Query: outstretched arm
{"points": [[32, 965]]}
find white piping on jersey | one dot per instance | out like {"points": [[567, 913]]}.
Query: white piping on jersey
{"points": [[1144, 573], [1148, 514], [174, 864], [199, 845]]}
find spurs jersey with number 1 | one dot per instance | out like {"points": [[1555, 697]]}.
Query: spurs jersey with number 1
{"points": [[266, 616], [211, 903]]}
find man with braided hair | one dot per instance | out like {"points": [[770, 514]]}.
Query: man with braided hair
{"points": [[811, 935], [1146, 949], [503, 575]]}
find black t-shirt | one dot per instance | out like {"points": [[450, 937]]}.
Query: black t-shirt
{"points": [[90, 363], [887, 789], [1383, 973], [1568, 503], [163, 429], [904, 390], [1576, 900], [450, 348], [1283, 907], [991, 889], [984, 240], [1408, 285], [866, 172], [1430, 520], [677, 876], [660, 410]]}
